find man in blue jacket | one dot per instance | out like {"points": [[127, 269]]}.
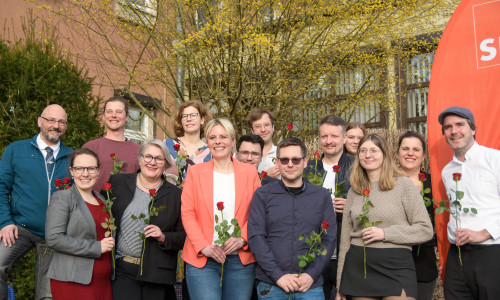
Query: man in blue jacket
{"points": [[332, 130], [280, 212], [28, 170]]}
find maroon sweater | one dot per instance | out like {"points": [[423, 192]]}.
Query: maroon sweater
{"points": [[127, 151]]}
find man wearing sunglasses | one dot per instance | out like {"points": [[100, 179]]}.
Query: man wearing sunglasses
{"points": [[280, 212], [28, 171], [114, 117], [332, 131]]}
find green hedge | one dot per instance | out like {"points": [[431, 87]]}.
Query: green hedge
{"points": [[34, 73]]}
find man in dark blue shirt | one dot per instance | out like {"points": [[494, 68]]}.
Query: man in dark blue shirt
{"points": [[280, 212]]}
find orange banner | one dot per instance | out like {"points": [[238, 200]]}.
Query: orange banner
{"points": [[465, 72]]}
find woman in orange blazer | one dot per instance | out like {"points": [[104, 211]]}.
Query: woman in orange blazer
{"points": [[223, 179]]}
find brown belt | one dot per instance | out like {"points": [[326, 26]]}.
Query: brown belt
{"points": [[132, 260]]}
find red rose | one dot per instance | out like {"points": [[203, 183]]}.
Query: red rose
{"points": [[220, 205], [421, 176], [457, 176], [336, 168], [325, 225], [67, 187], [177, 147], [263, 174], [66, 180], [152, 192], [316, 155], [58, 182], [289, 126], [366, 192], [106, 186], [113, 156]]}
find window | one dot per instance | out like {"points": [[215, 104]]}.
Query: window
{"points": [[416, 85], [357, 91], [141, 12], [137, 127]]}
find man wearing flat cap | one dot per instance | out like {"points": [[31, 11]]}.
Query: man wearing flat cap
{"points": [[473, 263]]}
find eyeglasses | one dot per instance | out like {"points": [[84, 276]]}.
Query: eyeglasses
{"points": [[148, 158], [285, 160], [54, 121], [80, 170], [265, 126], [373, 151], [247, 153], [191, 116]]}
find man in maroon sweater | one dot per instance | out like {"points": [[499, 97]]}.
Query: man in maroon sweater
{"points": [[115, 116]]}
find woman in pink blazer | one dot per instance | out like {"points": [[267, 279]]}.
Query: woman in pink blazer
{"points": [[223, 179]]}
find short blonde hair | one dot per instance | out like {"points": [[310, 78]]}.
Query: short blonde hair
{"points": [[228, 126], [359, 177]]}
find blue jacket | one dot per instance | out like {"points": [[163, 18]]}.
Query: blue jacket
{"points": [[277, 219], [23, 177]]}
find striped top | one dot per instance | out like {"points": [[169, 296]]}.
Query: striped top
{"points": [[129, 241]]}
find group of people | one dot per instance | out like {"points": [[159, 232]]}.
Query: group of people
{"points": [[254, 220]]}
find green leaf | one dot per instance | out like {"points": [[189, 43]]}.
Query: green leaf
{"points": [[370, 203], [111, 220], [460, 195], [146, 221], [440, 210], [217, 228], [133, 217], [466, 210], [323, 252], [107, 233], [142, 216], [301, 237], [112, 227], [104, 225], [427, 191], [216, 219], [234, 222], [142, 235], [236, 231], [473, 210], [302, 263], [301, 257]]}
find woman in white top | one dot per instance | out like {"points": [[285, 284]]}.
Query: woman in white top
{"points": [[223, 179]]}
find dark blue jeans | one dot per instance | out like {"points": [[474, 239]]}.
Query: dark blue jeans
{"points": [[267, 291], [237, 283], [8, 256]]}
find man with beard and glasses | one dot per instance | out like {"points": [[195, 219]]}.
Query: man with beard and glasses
{"points": [[249, 150], [472, 265], [114, 116], [280, 212], [28, 171]]}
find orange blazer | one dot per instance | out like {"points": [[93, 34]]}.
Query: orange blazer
{"points": [[197, 208]]}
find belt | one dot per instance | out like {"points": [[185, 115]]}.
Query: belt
{"points": [[471, 247], [132, 260]]}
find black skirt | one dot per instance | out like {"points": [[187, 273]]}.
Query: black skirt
{"points": [[389, 271]]}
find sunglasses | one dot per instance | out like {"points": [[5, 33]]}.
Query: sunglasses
{"points": [[295, 160]]}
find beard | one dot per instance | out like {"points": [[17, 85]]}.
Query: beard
{"points": [[52, 139]]}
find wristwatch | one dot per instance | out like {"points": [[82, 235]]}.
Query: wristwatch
{"points": [[243, 240]]}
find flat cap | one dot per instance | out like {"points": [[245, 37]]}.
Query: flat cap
{"points": [[456, 110]]}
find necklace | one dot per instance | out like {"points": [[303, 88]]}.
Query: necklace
{"points": [[149, 188]]}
